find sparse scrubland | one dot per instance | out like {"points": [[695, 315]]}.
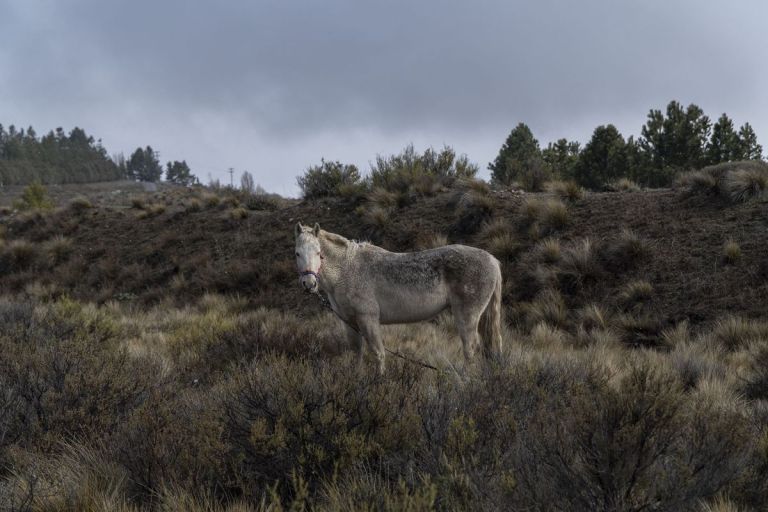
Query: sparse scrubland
{"points": [[158, 354]]}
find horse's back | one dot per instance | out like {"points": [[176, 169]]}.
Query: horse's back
{"points": [[417, 285]]}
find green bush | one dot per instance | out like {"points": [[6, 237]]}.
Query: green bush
{"points": [[424, 173], [34, 197], [327, 179]]}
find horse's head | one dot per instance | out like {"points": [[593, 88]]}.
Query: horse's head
{"points": [[309, 258]]}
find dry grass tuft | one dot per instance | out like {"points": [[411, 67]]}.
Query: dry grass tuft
{"points": [[565, 190], [744, 185], [375, 216], [238, 213], [211, 200], [193, 205], [624, 185], [548, 307], [548, 251], [593, 317], [736, 182], [625, 251], [546, 336], [731, 252], [544, 216], [635, 292], [80, 204], [734, 332], [503, 246], [579, 266], [431, 241], [152, 210], [58, 249]]}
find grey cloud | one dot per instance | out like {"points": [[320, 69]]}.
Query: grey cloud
{"points": [[292, 73]]}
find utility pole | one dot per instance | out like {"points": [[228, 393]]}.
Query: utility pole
{"points": [[231, 178]]}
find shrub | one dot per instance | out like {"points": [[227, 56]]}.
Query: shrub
{"points": [[731, 252], [138, 203], [314, 418], [73, 377], [80, 204], [18, 255], [194, 205], [422, 173], [473, 210], [211, 200], [324, 180], [34, 197], [152, 210], [607, 447], [238, 213]]}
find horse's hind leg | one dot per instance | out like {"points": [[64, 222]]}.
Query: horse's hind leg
{"points": [[371, 330], [467, 319], [356, 340]]}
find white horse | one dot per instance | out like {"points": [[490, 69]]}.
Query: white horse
{"points": [[368, 286]]}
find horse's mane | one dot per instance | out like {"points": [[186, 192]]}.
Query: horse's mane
{"points": [[345, 243], [334, 238]]}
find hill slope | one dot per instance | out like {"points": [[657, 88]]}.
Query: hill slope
{"points": [[195, 246]]}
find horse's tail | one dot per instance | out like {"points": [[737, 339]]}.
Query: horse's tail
{"points": [[490, 321]]}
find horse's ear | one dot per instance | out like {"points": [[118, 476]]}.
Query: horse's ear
{"points": [[297, 231], [317, 229]]}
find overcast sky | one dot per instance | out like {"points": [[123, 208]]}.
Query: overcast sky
{"points": [[274, 86]]}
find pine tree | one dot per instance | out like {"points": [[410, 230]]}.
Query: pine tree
{"points": [[677, 140], [748, 146], [179, 172], [603, 159], [724, 145], [135, 165], [561, 156], [519, 156]]}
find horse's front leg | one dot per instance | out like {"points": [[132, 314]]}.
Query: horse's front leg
{"points": [[371, 330], [355, 339]]}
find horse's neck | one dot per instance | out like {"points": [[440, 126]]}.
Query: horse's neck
{"points": [[336, 251]]}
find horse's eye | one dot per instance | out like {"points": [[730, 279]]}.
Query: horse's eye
{"points": [[297, 255]]}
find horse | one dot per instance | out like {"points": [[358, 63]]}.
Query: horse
{"points": [[368, 286]]}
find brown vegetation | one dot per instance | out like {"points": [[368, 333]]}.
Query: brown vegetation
{"points": [[173, 363]]}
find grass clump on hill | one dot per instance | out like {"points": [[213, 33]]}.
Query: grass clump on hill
{"points": [[735, 182], [565, 190], [731, 252]]}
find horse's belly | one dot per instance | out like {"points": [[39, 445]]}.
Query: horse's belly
{"points": [[407, 307]]}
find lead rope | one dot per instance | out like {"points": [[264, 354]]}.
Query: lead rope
{"points": [[327, 305]]}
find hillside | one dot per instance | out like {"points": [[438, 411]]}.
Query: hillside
{"points": [[158, 354], [184, 251]]}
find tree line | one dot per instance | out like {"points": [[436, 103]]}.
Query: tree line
{"points": [[676, 140], [76, 157]]}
